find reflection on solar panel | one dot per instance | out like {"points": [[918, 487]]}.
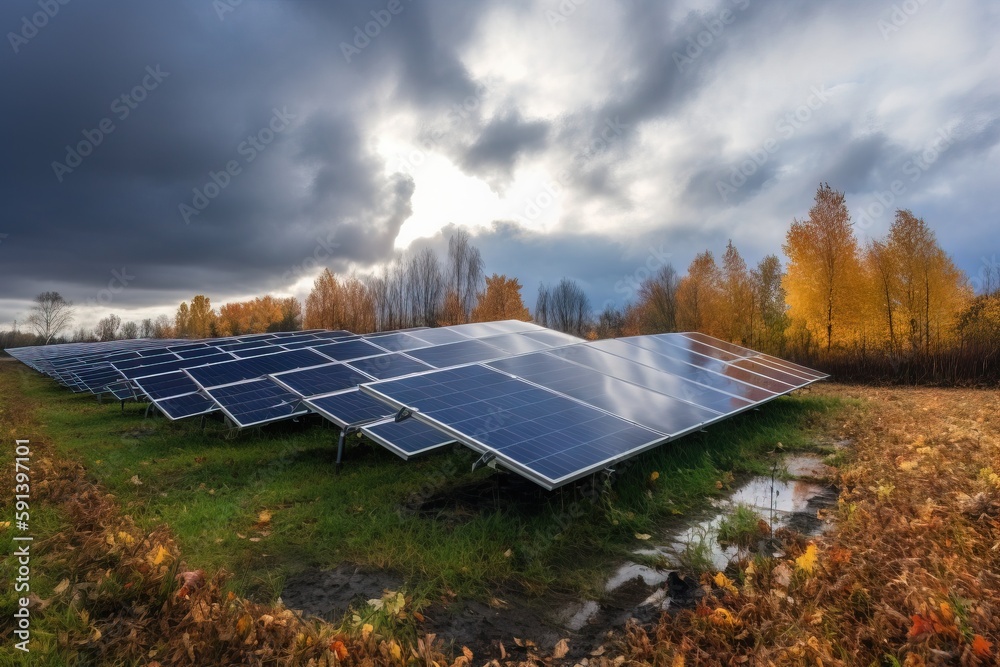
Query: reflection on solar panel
{"points": [[389, 365], [348, 407], [547, 437], [256, 402], [408, 438], [347, 350], [453, 354]]}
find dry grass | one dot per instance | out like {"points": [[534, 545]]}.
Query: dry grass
{"points": [[910, 576]]}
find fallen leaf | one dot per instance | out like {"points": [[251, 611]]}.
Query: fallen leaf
{"points": [[264, 517], [61, 587], [467, 652], [561, 649], [981, 646], [395, 650], [807, 561], [366, 631], [653, 476], [159, 555], [921, 625], [725, 583], [508, 553], [782, 575], [4, 525], [642, 536], [337, 648], [678, 660], [135, 480]]}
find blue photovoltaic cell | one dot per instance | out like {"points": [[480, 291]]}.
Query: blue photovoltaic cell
{"points": [[644, 376], [165, 385], [454, 354], [349, 349], [145, 361], [407, 438], [242, 345], [392, 365], [321, 379], [340, 333], [659, 412], [547, 437], [121, 390], [187, 347], [257, 402], [281, 340], [152, 352], [257, 351], [348, 407], [254, 367], [298, 345], [697, 374], [186, 405], [167, 366], [196, 352]]}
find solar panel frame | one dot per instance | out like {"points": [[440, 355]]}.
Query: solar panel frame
{"points": [[185, 406], [300, 380], [256, 402], [348, 407], [407, 439]]}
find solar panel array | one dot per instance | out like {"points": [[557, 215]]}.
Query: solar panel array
{"points": [[546, 405]]}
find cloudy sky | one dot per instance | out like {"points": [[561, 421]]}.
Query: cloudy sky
{"points": [[158, 150]]}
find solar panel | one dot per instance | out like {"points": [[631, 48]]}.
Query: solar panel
{"points": [[408, 438], [439, 336], [320, 379], [348, 407], [397, 342], [256, 351], [166, 385], [547, 437], [145, 361], [196, 352], [186, 405], [389, 365], [228, 372], [350, 349], [256, 402], [655, 411], [454, 354], [167, 366], [515, 343]]}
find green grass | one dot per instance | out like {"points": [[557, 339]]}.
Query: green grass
{"points": [[740, 527], [210, 491]]}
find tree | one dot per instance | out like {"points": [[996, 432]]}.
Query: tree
{"points": [[425, 286], [699, 297], [465, 270], [769, 296], [130, 330], [146, 328], [824, 276], [614, 322], [340, 304], [501, 300], [50, 315], [107, 328], [739, 310], [564, 307], [657, 306], [162, 327], [196, 320], [182, 320]]}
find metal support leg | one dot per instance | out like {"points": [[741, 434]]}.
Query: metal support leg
{"points": [[148, 408], [203, 422], [340, 448], [123, 404]]}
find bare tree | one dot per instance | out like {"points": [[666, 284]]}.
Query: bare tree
{"points": [[146, 328], [658, 300], [163, 327], [107, 328], [426, 287], [465, 270], [130, 330], [564, 307], [50, 315]]}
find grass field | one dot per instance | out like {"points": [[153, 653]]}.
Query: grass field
{"points": [[120, 504]]}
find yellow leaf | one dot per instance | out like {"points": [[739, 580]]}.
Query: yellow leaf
{"points": [[807, 561], [161, 554], [264, 516], [678, 660], [125, 538], [395, 650], [724, 582], [4, 525], [561, 649], [723, 617], [366, 631], [135, 480], [95, 635], [642, 536], [653, 476], [110, 539]]}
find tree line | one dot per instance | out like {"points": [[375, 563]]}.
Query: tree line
{"points": [[895, 308]]}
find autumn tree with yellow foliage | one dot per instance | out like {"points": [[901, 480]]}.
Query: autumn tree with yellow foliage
{"points": [[340, 303], [196, 320], [824, 280], [501, 300]]}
